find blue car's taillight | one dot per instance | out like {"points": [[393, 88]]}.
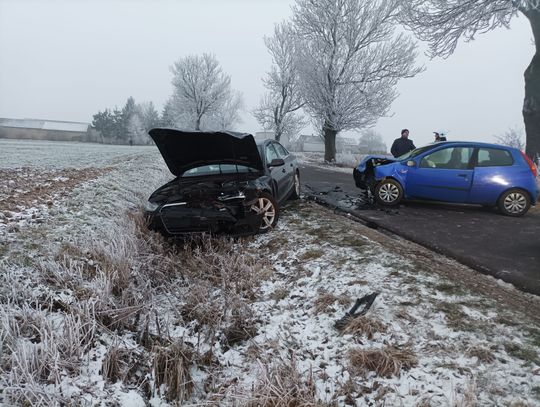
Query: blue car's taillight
{"points": [[530, 163]]}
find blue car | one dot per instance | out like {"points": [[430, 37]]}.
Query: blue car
{"points": [[458, 172]]}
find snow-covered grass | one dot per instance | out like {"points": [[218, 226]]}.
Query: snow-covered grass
{"points": [[95, 309], [55, 154]]}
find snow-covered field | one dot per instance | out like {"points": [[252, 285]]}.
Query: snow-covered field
{"points": [[95, 310]]}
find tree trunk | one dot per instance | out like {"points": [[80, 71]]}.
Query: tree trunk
{"points": [[277, 135], [329, 143], [531, 104], [198, 124]]}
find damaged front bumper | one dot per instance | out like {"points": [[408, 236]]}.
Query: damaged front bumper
{"points": [[232, 216], [364, 174]]}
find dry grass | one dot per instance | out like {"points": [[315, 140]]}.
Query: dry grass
{"points": [[202, 304], [172, 368], [37, 350], [364, 326], [467, 397], [526, 353], [282, 385], [127, 366], [113, 364], [311, 254], [484, 355], [280, 293], [241, 323], [116, 280], [218, 261], [325, 300], [385, 362]]}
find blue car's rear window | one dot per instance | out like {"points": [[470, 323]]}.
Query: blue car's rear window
{"points": [[494, 157]]}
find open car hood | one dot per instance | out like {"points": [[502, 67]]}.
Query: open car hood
{"points": [[183, 150]]}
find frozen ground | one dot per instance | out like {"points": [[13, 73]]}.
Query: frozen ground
{"points": [[95, 310]]}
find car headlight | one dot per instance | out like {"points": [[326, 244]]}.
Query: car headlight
{"points": [[150, 206]]}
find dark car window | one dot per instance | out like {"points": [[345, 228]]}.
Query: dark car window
{"points": [[490, 157], [271, 153], [455, 158], [282, 152], [216, 169]]}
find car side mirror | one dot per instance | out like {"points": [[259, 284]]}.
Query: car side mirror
{"points": [[276, 162], [411, 163]]}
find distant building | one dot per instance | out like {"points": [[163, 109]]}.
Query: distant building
{"points": [[54, 130], [347, 145], [307, 143]]}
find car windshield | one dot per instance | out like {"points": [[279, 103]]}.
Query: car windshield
{"points": [[416, 152], [218, 169]]}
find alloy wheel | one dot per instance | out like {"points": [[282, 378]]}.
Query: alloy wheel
{"points": [[265, 207], [515, 203], [388, 193]]}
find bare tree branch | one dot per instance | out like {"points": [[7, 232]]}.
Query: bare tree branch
{"points": [[276, 111], [444, 22], [349, 61], [201, 90]]}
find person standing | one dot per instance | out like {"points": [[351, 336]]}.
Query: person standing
{"points": [[402, 145], [439, 136]]}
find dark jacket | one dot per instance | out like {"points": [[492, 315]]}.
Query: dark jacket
{"points": [[401, 146]]}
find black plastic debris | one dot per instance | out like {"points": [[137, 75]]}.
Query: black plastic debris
{"points": [[366, 300]]}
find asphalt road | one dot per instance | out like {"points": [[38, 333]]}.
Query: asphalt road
{"points": [[505, 247]]}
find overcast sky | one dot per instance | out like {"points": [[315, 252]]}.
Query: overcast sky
{"points": [[67, 59]]}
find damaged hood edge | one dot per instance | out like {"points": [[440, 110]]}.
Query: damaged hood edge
{"points": [[184, 150]]}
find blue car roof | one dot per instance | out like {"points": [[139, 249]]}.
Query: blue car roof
{"points": [[472, 143]]}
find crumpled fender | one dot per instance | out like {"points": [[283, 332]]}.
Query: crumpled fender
{"points": [[397, 171]]}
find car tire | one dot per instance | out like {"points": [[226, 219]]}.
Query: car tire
{"points": [[268, 206], [389, 192], [295, 192], [514, 202]]}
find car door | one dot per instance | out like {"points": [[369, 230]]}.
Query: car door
{"points": [[288, 168], [278, 174], [443, 175], [494, 172]]}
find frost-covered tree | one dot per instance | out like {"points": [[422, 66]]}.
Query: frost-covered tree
{"points": [[372, 142], [350, 60], [112, 125], [444, 22], [201, 88], [512, 138], [129, 109], [227, 116], [168, 114], [136, 132], [149, 115], [104, 122], [276, 111], [128, 125]]}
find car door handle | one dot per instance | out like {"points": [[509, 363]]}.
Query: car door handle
{"points": [[462, 175]]}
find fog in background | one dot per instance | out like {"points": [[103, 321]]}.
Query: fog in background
{"points": [[66, 60]]}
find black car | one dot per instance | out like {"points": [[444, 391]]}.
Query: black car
{"points": [[224, 183]]}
